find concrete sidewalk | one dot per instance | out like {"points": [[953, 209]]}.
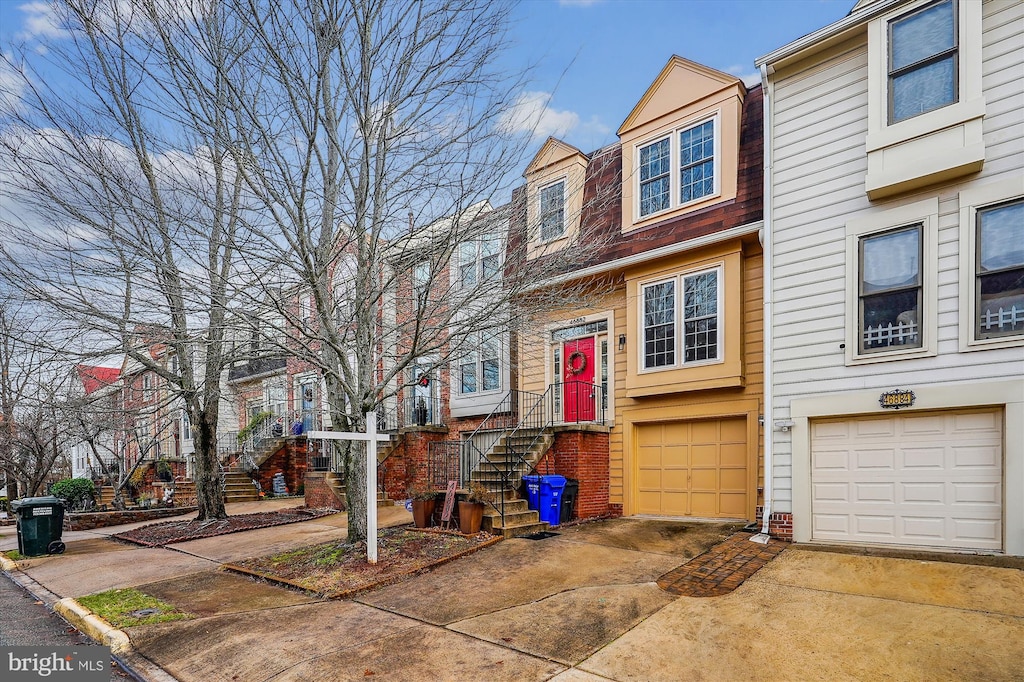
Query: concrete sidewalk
{"points": [[582, 605]]}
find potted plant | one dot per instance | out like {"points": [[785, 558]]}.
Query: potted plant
{"points": [[424, 499], [471, 510]]}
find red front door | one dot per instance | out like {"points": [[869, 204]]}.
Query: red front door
{"points": [[578, 389]]}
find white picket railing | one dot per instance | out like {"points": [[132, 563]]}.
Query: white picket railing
{"points": [[1002, 318], [890, 334]]}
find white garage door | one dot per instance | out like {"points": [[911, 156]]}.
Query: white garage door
{"points": [[920, 479]]}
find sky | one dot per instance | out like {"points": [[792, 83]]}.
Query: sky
{"points": [[593, 59]]}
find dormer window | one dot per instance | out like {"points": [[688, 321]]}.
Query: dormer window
{"points": [[922, 61], [552, 211], [692, 151]]}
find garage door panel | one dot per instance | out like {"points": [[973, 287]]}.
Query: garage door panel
{"points": [[879, 526], [734, 431], [650, 479], [674, 503], [924, 458], [674, 434], [972, 456], [733, 505], [881, 458], [834, 460], [935, 481], [923, 493], [883, 493], [733, 455], [674, 479], [704, 479], [705, 455], [733, 480]]}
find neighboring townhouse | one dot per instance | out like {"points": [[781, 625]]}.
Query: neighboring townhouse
{"points": [[96, 398], [653, 377], [895, 232]]}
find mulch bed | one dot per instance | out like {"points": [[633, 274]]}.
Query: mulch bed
{"points": [[338, 570], [170, 532]]}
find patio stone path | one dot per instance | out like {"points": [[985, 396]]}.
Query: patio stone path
{"points": [[722, 568]]}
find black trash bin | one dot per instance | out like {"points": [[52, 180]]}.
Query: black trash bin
{"points": [[40, 524], [569, 495]]}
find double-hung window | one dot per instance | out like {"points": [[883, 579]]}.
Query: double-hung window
{"points": [[552, 211], [686, 308], [691, 151], [479, 261], [922, 67], [999, 271], [889, 296], [479, 370]]}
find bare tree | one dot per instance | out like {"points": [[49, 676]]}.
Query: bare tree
{"points": [[378, 143], [128, 209], [32, 430]]}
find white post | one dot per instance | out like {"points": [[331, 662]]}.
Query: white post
{"points": [[371, 487]]}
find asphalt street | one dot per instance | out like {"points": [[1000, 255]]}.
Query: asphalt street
{"points": [[24, 621]]}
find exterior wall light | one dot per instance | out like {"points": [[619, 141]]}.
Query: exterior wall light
{"points": [[622, 341]]}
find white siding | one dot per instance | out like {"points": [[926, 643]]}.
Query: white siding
{"points": [[819, 116]]}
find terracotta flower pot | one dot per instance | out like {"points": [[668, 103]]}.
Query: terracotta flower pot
{"points": [[423, 512], [471, 515]]}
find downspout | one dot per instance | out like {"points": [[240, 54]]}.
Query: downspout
{"points": [[766, 333]]}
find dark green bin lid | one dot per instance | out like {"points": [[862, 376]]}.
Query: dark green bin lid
{"points": [[27, 502]]}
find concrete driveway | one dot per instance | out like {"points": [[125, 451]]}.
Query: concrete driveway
{"points": [[582, 605]]}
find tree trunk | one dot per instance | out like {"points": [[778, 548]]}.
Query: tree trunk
{"points": [[209, 494]]}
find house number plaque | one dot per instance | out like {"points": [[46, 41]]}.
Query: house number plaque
{"points": [[894, 400]]}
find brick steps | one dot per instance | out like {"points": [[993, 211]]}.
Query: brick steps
{"points": [[334, 481], [519, 519]]}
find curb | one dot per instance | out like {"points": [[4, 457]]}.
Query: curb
{"points": [[99, 630], [93, 626]]}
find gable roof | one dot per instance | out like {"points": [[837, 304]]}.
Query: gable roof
{"points": [[695, 81], [94, 377], [552, 151]]}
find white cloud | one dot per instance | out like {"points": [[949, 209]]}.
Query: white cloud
{"points": [[750, 77], [532, 113], [41, 21]]}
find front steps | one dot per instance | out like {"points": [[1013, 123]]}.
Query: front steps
{"points": [[336, 484], [238, 487], [519, 518]]}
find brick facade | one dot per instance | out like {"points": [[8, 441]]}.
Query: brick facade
{"points": [[290, 459], [406, 466], [318, 494], [582, 453], [780, 524]]}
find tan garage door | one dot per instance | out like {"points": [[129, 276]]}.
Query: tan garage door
{"points": [[921, 479], [693, 468]]}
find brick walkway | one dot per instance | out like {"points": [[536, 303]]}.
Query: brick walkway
{"points": [[722, 568]]}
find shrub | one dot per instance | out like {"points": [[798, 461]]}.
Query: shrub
{"points": [[164, 471], [76, 492]]}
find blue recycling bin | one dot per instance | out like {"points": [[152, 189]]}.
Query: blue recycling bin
{"points": [[550, 502], [532, 484]]}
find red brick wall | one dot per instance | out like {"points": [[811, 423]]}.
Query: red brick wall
{"points": [[780, 524], [582, 455], [407, 464], [319, 495], [290, 459]]}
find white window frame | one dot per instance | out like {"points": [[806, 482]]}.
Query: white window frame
{"points": [[925, 213], [476, 359], [954, 52], [563, 181], [679, 327], [147, 386], [479, 276], [934, 145], [675, 167], [973, 200]]}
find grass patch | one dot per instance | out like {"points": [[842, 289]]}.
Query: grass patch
{"points": [[14, 555], [128, 607], [340, 568]]}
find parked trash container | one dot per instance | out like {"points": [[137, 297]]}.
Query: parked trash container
{"points": [[532, 484], [40, 524], [550, 503], [569, 495]]}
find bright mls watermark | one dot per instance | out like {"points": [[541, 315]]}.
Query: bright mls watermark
{"points": [[78, 663]]}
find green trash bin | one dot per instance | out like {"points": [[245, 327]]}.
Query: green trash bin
{"points": [[40, 524]]}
